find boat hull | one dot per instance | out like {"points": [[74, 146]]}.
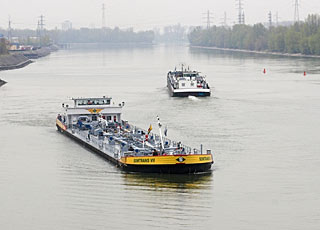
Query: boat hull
{"points": [[169, 169], [185, 93]]}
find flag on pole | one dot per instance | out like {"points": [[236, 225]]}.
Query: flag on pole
{"points": [[150, 128], [166, 131]]}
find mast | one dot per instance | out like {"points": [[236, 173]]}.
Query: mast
{"points": [[161, 139]]}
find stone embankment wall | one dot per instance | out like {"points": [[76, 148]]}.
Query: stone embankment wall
{"points": [[13, 61]]}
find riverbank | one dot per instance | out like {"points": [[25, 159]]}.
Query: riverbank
{"points": [[257, 52], [19, 59], [13, 61]]}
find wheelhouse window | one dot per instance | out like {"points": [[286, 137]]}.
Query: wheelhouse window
{"points": [[102, 101], [106, 101]]}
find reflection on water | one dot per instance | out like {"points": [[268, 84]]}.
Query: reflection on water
{"points": [[183, 183]]}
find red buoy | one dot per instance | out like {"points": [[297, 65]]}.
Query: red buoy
{"points": [[304, 73], [264, 71]]}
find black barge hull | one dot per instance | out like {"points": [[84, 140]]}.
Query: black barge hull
{"points": [[169, 169], [187, 94]]}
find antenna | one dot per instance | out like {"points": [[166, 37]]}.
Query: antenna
{"points": [[296, 11], [103, 16]]}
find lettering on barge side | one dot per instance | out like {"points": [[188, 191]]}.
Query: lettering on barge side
{"points": [[151, 160], [204, 158]]}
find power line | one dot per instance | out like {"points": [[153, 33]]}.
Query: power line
{"points": [[208, 18], [103, 16], [296, 11], [41, 22], [241, 16], [9, 29], [270, 19], [40, 28], [224, 20]]}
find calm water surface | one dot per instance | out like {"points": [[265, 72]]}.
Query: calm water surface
{"points": [[263, 130]]}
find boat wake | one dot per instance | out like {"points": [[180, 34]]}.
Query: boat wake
{"points": [[193, 98]]}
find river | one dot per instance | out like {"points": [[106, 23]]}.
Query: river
{"points": [[262, 128]]}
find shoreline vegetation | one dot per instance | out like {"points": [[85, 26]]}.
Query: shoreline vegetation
{"points": [[301, 39], [82, 35], [257, 52]]}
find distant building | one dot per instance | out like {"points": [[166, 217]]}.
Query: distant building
{"points": [[66, 25]]}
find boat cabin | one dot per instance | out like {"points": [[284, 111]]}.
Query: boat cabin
{"points": [[91, 109]]}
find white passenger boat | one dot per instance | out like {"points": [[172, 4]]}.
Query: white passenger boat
{"points": [[185, 82], [96, 123]]}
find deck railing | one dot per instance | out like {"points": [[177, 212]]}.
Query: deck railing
{"points": [[166, 141]]}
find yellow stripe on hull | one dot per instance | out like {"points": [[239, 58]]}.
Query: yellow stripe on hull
{"points": [[167, 160]]}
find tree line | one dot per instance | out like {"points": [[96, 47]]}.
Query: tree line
{"points": [[82, 35], [106, 35], [301, 37]]}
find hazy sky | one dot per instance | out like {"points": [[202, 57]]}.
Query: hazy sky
{"points": [[144, 14]]}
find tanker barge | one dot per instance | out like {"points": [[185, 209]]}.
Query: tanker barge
{"points": [[96, 124]]}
